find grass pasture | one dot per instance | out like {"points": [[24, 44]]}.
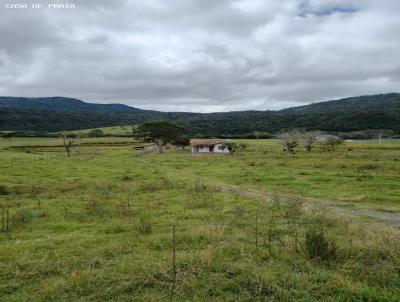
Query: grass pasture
{"points": [[114, 130], [99, 226]]}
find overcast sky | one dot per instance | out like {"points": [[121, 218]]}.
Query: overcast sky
{"points": [[201, 55]]}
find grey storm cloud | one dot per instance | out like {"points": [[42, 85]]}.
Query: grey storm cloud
{"points": [[201, 55]]}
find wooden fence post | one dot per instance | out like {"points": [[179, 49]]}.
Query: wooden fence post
{"points": [[7, 218], [2, 219], [270, 232], [256, 229], [174, 250], [173, 262]]}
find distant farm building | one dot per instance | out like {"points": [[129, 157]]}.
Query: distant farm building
{"points": [[147, 147], [208, 146], [325, 137]]}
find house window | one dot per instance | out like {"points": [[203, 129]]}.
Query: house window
{"points": [[221, 148]]}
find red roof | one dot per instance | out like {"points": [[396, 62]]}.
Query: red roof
{"points": [[206, 142]]}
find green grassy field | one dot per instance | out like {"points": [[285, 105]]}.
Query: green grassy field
{"points": [[99, 226], [115, 130]]}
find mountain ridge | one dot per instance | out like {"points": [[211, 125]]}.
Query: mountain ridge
{"points": [[58, 103], [350, 114], [66, 104]]}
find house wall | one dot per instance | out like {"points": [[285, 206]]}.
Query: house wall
{"points": [[206, 149], [200, 149], [217, 149]]}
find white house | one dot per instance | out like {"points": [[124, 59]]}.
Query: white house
{"points": [[208, 146]]}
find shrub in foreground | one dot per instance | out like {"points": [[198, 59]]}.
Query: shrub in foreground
{"points": [[319, 247], [144, 226], [4, 190]]}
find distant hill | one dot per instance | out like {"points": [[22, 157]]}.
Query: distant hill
{"points": [[380, 101], [57, 114], [63, 104]]}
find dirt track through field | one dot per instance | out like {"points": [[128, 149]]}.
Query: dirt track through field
{"points": [[389, 218]]}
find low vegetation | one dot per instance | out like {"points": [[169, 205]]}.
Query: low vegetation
{"points": [[110, 223]]}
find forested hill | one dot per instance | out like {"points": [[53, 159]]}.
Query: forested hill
{"points": [[62, 104], [351, 114], [380, 101]]}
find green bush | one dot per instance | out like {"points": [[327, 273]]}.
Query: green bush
{"points": [[21, 217], [4, 190], [95, 133], [319, 247], [126, 177]]}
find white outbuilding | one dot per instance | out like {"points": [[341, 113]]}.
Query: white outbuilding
{"points": [[208, 146]]}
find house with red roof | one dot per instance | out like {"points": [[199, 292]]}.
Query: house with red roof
{"points": [[208, 146]]}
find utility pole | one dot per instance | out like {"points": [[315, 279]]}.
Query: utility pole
{"points": [[257, 134]]}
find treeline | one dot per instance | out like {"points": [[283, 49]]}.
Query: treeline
{"points": [[358, 114]]}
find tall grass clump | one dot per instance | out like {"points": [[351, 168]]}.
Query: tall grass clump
{"points": [[123, 209], [168, 182], [150, 186], [96, 208], [143, 226], [198, 187], [126, 177], [318, 247], [21, 216], [4, 190]]}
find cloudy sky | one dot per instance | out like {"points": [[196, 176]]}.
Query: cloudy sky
{"points": [[201, 55]]}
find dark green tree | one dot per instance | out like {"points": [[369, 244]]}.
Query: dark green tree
{"points": [[158, 132], [95, 133], [182, 141]]}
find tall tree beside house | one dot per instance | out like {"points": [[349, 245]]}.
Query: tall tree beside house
{"points": [[158, 132], [182, 141]]}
